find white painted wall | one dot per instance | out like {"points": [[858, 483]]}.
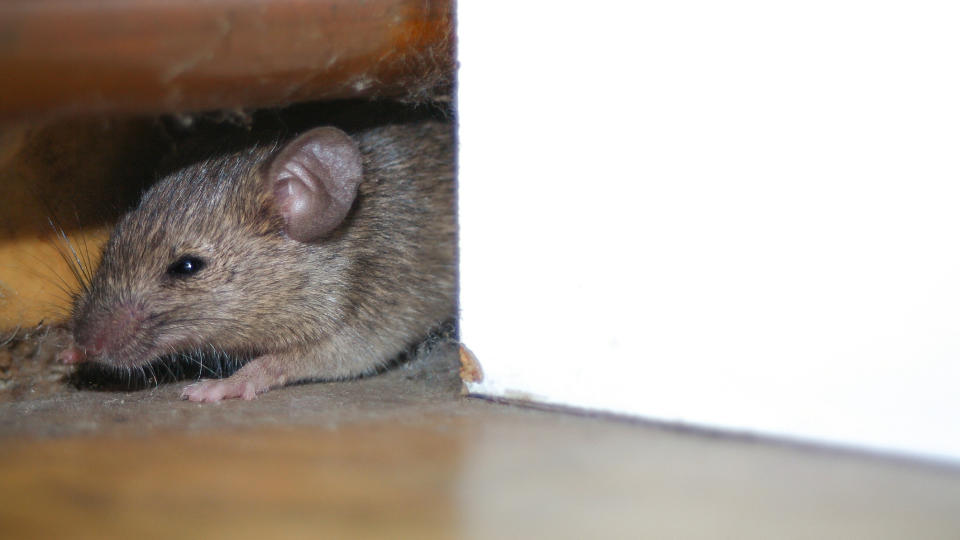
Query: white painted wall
{"points": [[735, 214]]}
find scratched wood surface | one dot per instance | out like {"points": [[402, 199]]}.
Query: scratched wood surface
{"points": [[475, 470], [403, 455], [360, 481]]}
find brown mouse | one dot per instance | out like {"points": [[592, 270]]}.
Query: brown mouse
{"points": [[322, 258]]}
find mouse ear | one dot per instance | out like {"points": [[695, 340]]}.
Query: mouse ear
{"points": [[314, 180]]}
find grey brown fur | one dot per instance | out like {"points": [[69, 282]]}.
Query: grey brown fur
{"points": [[340, 307]]}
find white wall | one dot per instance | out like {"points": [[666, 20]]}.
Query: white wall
{"points": [[734, 214]]}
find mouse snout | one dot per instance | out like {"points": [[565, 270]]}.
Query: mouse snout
{"points": [[112, 331]]}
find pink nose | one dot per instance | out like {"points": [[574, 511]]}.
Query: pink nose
{"points": [[72, 355], [115, 330]]}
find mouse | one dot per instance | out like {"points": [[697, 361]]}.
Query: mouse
{"points": [[320, 258]]}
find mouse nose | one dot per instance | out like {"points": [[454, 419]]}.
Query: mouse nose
{"points": [[110, 332]]}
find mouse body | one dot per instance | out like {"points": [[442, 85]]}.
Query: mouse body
{"points": [[319, 259]]}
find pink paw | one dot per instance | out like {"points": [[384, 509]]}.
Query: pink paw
{"points": [[212, 391]]}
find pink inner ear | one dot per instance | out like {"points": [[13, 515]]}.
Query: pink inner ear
{"points": [[315, 180], [300, 206]]}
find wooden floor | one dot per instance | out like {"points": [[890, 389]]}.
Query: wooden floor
{"points": [[402, 456]]}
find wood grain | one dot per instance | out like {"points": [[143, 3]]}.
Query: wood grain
{"points": [[153, 56], [474, 471], [356, 482]]}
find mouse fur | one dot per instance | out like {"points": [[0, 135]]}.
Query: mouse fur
{"points": [[210, 261]]}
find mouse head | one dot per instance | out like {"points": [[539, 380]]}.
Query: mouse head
{"points": [[225, 254]]}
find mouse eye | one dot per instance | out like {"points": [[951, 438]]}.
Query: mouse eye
{"points": [[187, 265]]}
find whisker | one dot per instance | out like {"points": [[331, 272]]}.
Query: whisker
{"points": [[170, 371], [13, 336], [63, 285], [153, 374], [65, 249], [85, 251]]}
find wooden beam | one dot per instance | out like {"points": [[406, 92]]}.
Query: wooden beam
{"points": [[160, 56]]}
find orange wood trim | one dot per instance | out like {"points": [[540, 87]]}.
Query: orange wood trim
{"points": [[157, 56]]}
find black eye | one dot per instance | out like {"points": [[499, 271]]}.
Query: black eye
{"points": [[187, 265]]}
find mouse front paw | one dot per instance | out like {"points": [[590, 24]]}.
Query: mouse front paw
{"points": [[212, 391], [255, 377]]}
